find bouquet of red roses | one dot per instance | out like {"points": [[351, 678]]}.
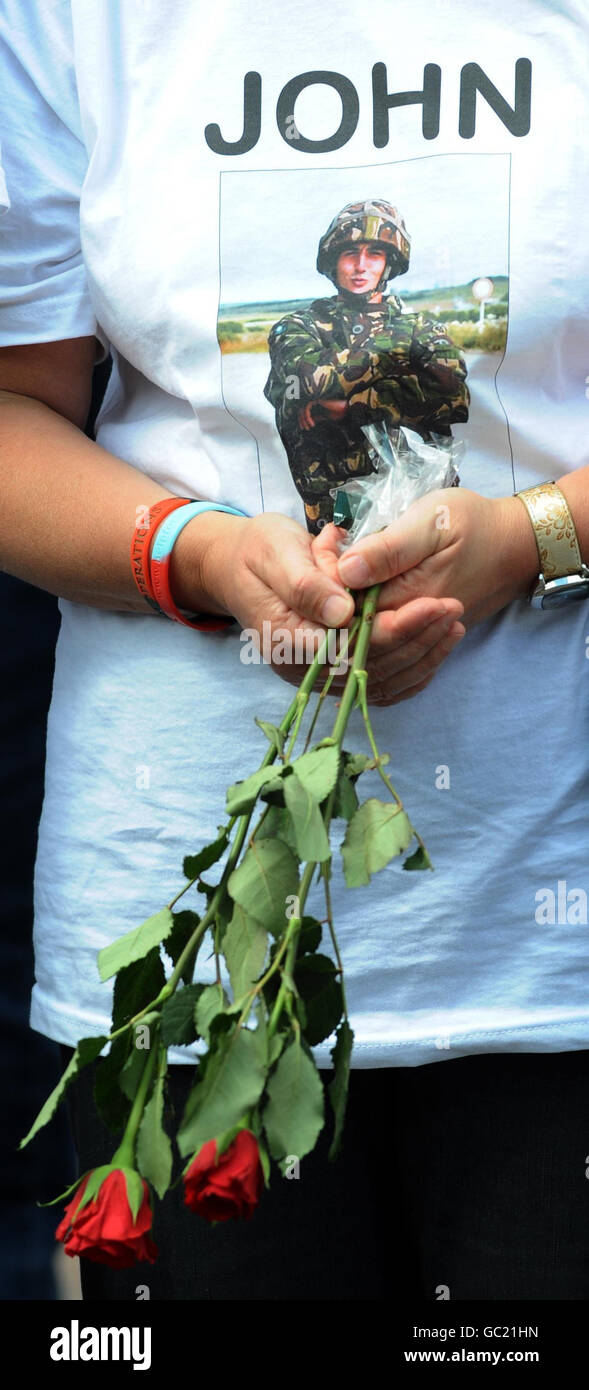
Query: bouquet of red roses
{"points": [[257, 1095]]}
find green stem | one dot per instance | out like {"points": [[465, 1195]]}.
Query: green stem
{"points": [[217, 958], [339, 728], [362, 677], [305, 687], [355, 690], [348, 639], [259, 985], [125, 1154], [303, 701], [256, 831], [358, 662], [329, 910], [291, 938], [192, 881]]}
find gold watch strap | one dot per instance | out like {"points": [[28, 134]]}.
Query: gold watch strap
{"points": [[554, 529]]}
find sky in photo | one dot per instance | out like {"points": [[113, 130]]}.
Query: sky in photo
{"points": [[455, 209]]}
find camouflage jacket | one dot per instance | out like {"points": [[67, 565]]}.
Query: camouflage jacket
{"points": [[384, 363]]}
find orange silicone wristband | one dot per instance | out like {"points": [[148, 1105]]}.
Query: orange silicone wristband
{"points": [[145, 529]]}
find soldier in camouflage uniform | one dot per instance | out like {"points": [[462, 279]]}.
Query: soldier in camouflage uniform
{"points": [[356, 358]]}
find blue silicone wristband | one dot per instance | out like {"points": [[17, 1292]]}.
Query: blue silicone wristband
{"points": [[159, 561], [167, 534]]}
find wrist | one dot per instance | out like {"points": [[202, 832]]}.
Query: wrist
{"points": [[518, 550], [201, 563]]}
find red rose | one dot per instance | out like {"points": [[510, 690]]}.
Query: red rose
{"points": [[104, 1229], [227, 1187]]}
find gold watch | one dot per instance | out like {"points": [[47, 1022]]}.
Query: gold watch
{"points": [[563, 577]]}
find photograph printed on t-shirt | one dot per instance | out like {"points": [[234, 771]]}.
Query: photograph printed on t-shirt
{"points": [[351, 297]]}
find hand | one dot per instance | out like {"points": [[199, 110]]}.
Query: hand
{"points": [[479, 550], [261, 570], [333, 410], [268, 570], [408, 645]]}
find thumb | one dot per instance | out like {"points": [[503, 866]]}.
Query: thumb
{"points": [[392, 551], [302, 585]]}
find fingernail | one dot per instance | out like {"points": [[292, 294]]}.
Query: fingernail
{"points": [[335, 611], [354, 571]]}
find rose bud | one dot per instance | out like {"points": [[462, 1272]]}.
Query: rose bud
{"points": [[104, 1230], [228, 1186]]}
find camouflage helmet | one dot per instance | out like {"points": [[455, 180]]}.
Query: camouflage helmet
{"points": [[373, 220]]}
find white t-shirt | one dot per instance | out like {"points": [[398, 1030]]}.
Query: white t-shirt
{"points": [[144, 206]]}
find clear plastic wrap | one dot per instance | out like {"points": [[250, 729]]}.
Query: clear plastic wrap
{"points": [[405, 468]]}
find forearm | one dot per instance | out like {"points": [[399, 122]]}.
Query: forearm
{"points": [[68, 512], [320, 373]]}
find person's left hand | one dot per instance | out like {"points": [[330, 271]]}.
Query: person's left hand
{"points": [[450, 543]]}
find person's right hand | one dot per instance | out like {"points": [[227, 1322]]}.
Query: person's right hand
{"points": [[264, 570]]}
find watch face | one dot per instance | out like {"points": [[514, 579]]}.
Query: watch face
{"points": [[559, 592]]}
